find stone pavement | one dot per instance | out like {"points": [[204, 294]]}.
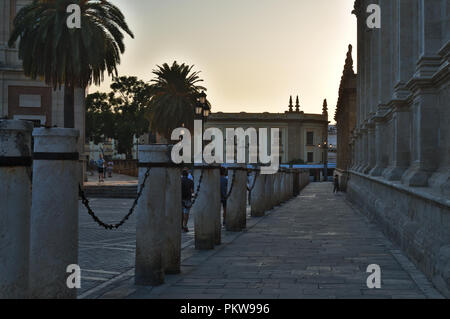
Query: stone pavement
{"points": [[105, 255], [314, 246]]}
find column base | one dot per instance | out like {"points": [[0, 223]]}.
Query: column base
{"points": [[366, 169], [440, 181], [376, 171], [415, 177], [394, 173]]}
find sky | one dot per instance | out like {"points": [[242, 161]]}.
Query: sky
{"points": [[252, 54]]}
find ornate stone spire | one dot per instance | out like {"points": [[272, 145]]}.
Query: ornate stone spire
{"points": [[325, 107], [291, 107], [297, 105], [348, 68]]}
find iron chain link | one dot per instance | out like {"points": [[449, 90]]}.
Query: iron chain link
{"points": [[85, 202]]}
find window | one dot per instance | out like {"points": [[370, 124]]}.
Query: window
{"points": [[310, 157], [309, 138]]}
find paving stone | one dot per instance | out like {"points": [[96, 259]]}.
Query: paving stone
{"points": [[314, 246]]}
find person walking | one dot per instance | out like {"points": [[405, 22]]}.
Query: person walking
{"points": [[187, 188], [110, 168], [223, 191], [336, 184], [101, 168]]}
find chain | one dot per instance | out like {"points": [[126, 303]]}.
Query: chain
{"points": [[85, 202], [197, 192], [254, 182]]}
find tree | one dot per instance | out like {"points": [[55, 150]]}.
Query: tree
{"points": [[120, 114], [100, 119], [174, 94], [129, 99], [69, 56]]}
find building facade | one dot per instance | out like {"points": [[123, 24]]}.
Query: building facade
{"points": [[400, 170], [302, 136], [332, 144], [26, 99], [345, 118]]}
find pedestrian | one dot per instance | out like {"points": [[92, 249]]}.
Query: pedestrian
{"points": [[110, 168], [92, 167], [223, 191], [336, 184], [101, 168], [187, 188]]}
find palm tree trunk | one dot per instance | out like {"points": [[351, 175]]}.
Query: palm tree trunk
{"points": [[69, 107]]}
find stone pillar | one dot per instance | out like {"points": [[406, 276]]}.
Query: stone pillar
{"points": [[15, 199], [380, 165], [151, 217], [276, 188], [401, 139], [54, 212], [282, 189], [295, 183], [425, 112], [172, 244], [269, 192], [237, 202], [371, 139], [291, 184], [206, 210], [259, 196]]}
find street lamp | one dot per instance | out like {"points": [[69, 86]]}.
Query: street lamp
{"points": [[324, 147], [202, 110]]}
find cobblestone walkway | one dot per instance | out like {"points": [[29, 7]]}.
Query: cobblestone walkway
{"points": [[314, 246]]}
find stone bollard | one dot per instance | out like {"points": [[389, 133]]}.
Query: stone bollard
{"points": [[279, 188], [54, 212], [237, 202], [275, 193], [151, 217], [15, 203], [259, 196], [291, 184], [268, 189], [206, 210], [283, 186], [295, 183], [172, 244]]}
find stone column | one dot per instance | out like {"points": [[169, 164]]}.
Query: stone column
{"points": [[54, 212], [259, 196], [425, 113], [237, 202], [151, 218], [172, 244], [371, 153], [401, 139], [206, 210], [15, 199], [380, 165]]}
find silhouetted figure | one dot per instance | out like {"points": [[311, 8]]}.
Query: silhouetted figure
{"points": [[336, 184]]}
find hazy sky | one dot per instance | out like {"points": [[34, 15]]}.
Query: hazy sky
{"points": [[252, 54]]}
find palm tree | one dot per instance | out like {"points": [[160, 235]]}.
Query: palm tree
{"points": [[74, 58], [174, 95]]}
